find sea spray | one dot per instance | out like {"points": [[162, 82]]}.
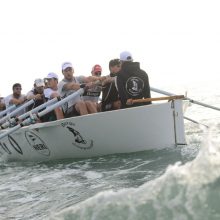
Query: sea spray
{"points": [[189, 191]]}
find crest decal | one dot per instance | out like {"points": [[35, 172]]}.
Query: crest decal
{"points": [[134, 86]]}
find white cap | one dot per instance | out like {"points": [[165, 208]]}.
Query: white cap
{"points": [[52, 75], [39, 82], [66, 65], [126, 56]]}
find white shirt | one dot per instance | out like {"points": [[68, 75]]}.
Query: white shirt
{"points": [[48, 93], [7, 100], [64, 93]]}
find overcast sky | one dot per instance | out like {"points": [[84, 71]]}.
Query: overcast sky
{"points": [[175, 41]]}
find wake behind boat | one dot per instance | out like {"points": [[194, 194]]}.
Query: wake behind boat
{"points": [[128, 130]]}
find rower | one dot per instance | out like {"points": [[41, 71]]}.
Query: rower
{"points": [[16, 98], [131, 81], [51, 92], [110, 98], [37, 93], [92, 94], [69, 85]]}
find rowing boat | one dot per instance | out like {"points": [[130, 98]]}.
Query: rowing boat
{"points": [[147, 127]]}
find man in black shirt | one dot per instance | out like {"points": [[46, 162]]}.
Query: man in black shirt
{"points": [[131, 81], [37, 93], [110, 98]]}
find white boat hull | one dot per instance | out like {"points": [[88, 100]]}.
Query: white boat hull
{"points": [[135, 129]]}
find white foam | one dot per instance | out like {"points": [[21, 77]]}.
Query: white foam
{"points": [[178, 194]]}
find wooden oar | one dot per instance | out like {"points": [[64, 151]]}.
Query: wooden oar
{"points": [[191, 100], [10, 108], [13, 121], [132, 101], [33, 118], [18, 109]]}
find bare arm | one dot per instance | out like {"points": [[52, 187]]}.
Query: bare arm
{"points": [[94, 78], [2, 106], [71, 86], [37, 97], [17, 101], [108, 80]]}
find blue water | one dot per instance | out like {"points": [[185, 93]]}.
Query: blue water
{"points": [[175, 183]]}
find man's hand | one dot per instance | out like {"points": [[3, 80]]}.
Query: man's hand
{"points": [[108, 80], [38, 96], [129, 102], [89, 85]]}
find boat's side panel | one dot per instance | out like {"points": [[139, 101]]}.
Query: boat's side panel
{"points": [[122, 131]]}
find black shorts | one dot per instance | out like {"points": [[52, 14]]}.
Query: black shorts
{"points": [[71, 112], [114, 105], [107, 107]]}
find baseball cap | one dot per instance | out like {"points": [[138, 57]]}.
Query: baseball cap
{"points": [[96, 68], [39, 82], [66, 65], [126, 56], [51, 75]]}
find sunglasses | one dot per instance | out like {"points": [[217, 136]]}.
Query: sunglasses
{"points": [[18, 88], [97, 73]]}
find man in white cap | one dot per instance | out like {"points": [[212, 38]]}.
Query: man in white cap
{"points": [[71, 84], [51, 92], [37, 93], [52, 86], [131, 81]]}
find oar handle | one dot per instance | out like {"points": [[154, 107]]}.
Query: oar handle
{"points": [[4, 134], [10, 108], [18, 109], [38, 108], [133, 101], [61, 102], [50, 108], [13, 121]]}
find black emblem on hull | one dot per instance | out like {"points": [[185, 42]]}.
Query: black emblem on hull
{"points": [[12, 143], [78, 137], [5, 148], [37, 143], [79, 141]]}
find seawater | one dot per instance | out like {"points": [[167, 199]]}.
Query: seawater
{"points": [[175, 183]]}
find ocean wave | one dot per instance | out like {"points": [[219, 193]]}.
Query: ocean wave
{"points": [[184, 191]]}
